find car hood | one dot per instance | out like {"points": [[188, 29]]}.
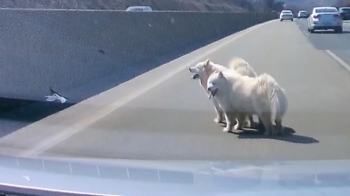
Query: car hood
{"points": [[131, 177]]}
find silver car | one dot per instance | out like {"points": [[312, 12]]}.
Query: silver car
{"points": [[286, 15], [139, 9], [302, 14], [324, 18]]}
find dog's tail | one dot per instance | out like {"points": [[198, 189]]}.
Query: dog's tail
{"points": [[242, 67], [237, 62], [276, 99]]}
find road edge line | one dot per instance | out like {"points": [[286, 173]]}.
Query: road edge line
{"points": [[339, 60]]}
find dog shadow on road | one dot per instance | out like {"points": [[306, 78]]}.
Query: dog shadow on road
{"points": [[289, 136]]}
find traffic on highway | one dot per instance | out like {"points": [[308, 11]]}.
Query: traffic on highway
{"points": [[320, 18]]}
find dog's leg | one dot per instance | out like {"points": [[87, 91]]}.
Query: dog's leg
{"points": [[220, 116], [219, 112], [249, 121], [266, 120], [241, 117], [279, 127], [259, 108], [260, 125], [230, 121]]}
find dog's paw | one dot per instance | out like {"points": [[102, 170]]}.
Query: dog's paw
{"points": [[226, 129], [218, 120]]}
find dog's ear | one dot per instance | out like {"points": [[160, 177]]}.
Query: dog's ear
{"points": [[207, 62], [221, 75]]}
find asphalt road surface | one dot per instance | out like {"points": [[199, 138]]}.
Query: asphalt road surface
{"points": [[163, 115]]}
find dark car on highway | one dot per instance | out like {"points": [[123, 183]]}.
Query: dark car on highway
{"points": [[345, 13]]}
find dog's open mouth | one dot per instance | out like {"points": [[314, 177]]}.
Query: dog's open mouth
{"points": [[212, 93], [195, 76]]}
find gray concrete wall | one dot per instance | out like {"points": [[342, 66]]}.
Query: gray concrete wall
{"points": [[70, 49]]}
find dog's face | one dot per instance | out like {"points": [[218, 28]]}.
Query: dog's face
{"points": [[215, 84], [200, 71]]}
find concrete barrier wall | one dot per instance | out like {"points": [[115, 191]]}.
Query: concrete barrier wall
{"points": [[69, 49]]}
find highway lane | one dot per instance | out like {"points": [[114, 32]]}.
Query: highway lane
{"points": [[174, 120], [338, 44]]}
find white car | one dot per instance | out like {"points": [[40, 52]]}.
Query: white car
{"points": [[139, 9], [286, 15], [324, 18], [302, 14]]}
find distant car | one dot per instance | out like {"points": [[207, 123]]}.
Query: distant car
{"points": [[345, 13], [324, 18], [286, 15], [302, 14], [139, 9]]}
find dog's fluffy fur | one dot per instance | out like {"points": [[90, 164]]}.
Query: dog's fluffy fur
{"points": [[242, 67], [204, 69], [278, 99], [240, 95]]}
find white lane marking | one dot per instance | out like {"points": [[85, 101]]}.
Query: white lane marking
{"points": [[339, 60], [80, 125], [305, 32]]}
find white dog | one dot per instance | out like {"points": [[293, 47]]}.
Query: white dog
{"points": [[204, 69], [279, 99], [239, 94]]}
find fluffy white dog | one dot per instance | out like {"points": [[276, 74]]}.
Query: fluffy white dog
{"points": [[204, 69], [278, 100], [237, 95]]}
